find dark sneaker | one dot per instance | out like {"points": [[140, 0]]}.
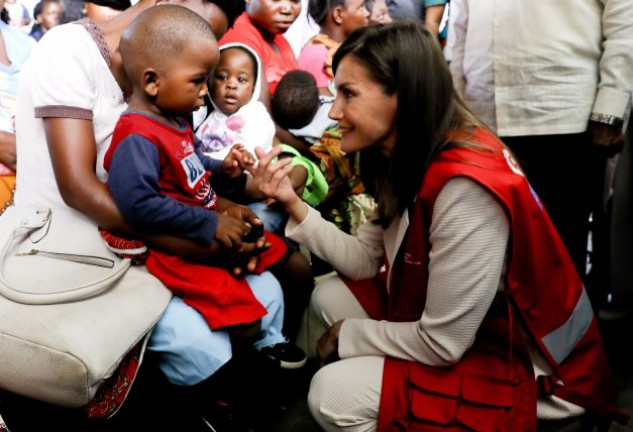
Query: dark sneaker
{"points": [[224, 417], [289, 356]]}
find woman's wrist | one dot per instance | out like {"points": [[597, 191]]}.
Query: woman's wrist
{"points": [[296, 208]]}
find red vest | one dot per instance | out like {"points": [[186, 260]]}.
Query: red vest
{"points": [[493, 386]]}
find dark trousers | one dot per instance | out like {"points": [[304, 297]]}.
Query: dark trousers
{"points": [[568, 174]]}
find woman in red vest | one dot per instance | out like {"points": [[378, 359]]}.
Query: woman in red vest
{"points": [[457, 307]]}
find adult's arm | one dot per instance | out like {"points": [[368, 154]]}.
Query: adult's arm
{"points": [[356, 257], [433, 13], [73, 155], [457, 32], [616, 83], [7, 149], [468, 235]]}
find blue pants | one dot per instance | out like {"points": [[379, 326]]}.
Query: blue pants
{"points": [[273, 217], [190, 352]]}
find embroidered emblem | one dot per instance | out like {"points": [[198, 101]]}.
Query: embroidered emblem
{"points": [[512, 163]]}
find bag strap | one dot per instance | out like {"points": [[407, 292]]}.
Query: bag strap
{"points": [[36, 227]]}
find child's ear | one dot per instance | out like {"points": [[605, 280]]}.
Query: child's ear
{"points": [[150, 82], [337, 14]]}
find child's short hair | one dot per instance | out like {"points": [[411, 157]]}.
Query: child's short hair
{"points": [[319, 9], [158, 35], [296, 100]]}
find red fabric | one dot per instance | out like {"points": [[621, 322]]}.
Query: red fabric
{"points": [[112, 393], [222, 299], [275, 64], [175, 151], [492, 387]]}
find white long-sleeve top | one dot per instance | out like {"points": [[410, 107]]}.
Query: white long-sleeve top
{"points": [[468, 236], [542, 67]]}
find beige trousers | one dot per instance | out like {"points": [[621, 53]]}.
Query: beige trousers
{"points": [[344, 395]]}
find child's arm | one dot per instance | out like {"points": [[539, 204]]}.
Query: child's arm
{"points": [[134, 184]]}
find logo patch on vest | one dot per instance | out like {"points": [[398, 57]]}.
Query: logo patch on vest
{"points": [[512, 163], [193, 168]]}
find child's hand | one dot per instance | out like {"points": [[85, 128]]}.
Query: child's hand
{"points": [[237, 161], [230, 231], [271, 178], [245, 214]]}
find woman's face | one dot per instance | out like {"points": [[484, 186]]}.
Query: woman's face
{"points": [[366, 115], [273, 16], [51, 13], [354, 16]]}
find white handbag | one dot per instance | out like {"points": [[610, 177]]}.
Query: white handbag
{"points": [[70, 309]]}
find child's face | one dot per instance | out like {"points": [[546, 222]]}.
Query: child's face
{"points": [[355, 15], [233, 80], [50, 15], [379, 13], [182, 83], [273, 16]]}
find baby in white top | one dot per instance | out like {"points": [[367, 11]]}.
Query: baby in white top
{"points": [[238, 116]]}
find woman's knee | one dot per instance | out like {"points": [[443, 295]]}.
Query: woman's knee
{"points": [[345, 395], [332, 300]]}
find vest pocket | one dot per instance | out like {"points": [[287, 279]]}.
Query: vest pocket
{"points": [[446, 399], [484, 403]]}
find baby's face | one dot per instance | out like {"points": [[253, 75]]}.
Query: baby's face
{"points": [[233, 80]]}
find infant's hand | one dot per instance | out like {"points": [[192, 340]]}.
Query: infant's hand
{"points": [[237, 161], [230, 231]]}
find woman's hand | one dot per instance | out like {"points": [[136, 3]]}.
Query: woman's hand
{"points": [[327, 346], [271, 179]]}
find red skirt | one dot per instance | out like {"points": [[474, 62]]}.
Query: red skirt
{"points": [[221, 298]]}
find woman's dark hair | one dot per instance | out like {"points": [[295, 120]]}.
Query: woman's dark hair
{"points": [[4, 16], [231, 8], [406, 60], [72, 10], [318, 9], [119, 5]]}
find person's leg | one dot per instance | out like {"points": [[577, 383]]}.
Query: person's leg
{"points": [[189, 352], [294, 273], [345, 395], [333, 301], [268, 292]]}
